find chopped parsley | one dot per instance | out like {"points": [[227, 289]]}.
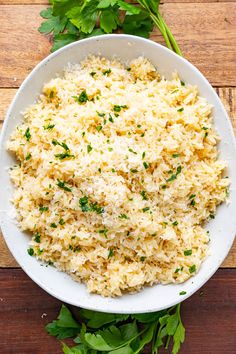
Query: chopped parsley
{"points": [[110, 253], [192, 269], [192, 202], [62, 221], [86, 206], [64, 155], [113, 170], [89, 148], [55, 142], [212, 216], [42, 209], [174, 91], [92, 73], [177, 270], [143, 154], [28, 157], [164, 186], [27, 134], [188, 252], [133, 170], [175, 155], [110, 149], [30, 251], [37, 238], [175, 223], [143, 194], [117, 108], [145, 165], [106, 72], [142, 259], [192, 196], [204, 128], [99, 170], [82, 98], [101, 114], [182, 293], [98, 128], [180, 109], [174, 175], [145, 209], [182, 83], [39, 251], [103, 231], [131, 150], [123, 216], [53, 225], [205, 135], [62, 185], [110, 118], [49, 126]]}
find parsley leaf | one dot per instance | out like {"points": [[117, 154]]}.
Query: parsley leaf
{"points": [[65, 326]]}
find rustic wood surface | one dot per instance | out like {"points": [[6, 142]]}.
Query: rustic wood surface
{"points": [[209, 316], [206, 32]]}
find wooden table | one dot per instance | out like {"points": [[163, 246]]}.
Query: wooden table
{"points": [[206, 32]]}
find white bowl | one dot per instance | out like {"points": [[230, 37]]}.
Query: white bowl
{"points": [[222, 228]]}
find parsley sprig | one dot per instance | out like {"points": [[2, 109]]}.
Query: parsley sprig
{"points": [[99, 332], [70, 21]]}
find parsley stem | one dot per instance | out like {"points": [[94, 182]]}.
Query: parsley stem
{"points": [[161, 25]]}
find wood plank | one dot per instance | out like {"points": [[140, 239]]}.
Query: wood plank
{"points": [[6, 98], [209, 316], [227, 95], [46, 2], [207, 39]]}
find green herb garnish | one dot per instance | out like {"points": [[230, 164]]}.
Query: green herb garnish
{"points": [[98, 128], [106, 72], [145, 165], [42, 209], [64, 155], [119, 332], [182, 293], [117, 108], [146, 209], [89, 148], [37, 237], [30, 251], [27, 134], [53, 225], [123, 216], [82, 98], [192, 269], [49, 127], [62, 185], [144, 195], [28, 157], [110, 253], [131, 150], [188, 252]]}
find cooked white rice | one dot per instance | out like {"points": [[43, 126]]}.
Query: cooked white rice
{"points": [[117, 173]]}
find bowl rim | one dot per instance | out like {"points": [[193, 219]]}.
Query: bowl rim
{"points": [[32, 275]]}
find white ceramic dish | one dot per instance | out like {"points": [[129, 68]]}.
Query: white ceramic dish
{"points": [[222, 228]]}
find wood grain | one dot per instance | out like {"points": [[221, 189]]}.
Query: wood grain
{"points": [[209, 316], [208, 39]]}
